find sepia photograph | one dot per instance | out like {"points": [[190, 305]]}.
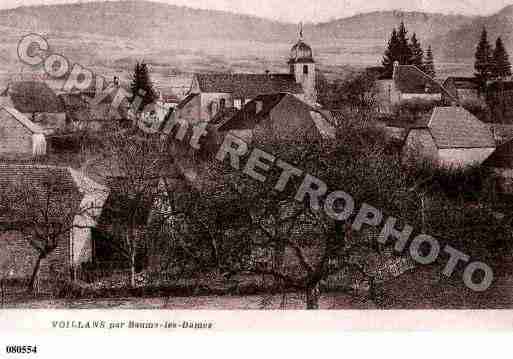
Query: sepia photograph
{"points": [[273, 156]]}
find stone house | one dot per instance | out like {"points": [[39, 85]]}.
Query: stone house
{"points": [[38, 102], [19, 136], [74, 209], [280, 116], [212, 92], [450, 137], [408, 83], [462, 88]]}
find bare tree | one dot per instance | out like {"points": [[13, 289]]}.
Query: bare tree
{"points": [[134, 165], [47, 209]]}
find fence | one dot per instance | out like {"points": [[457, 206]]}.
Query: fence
{"points": [[17, 290]]}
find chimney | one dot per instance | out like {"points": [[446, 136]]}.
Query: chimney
{"points": [[396, 67]]}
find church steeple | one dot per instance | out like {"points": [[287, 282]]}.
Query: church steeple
{"points": [[302, 66]]}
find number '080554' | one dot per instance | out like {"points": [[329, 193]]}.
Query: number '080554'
{"points": [[21, 349]]}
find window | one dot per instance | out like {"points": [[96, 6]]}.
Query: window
{"points": [[222, 103], [305, 69], [237, 103]]}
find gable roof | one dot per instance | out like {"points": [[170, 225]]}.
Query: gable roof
{"points": [[35, 96], [410, 79], [502, 157], [452, 84], [248, 117], [73, 185], [462, 82], [248, 85], [455, 127], [21, 118]]}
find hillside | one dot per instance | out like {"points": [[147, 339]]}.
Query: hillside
{"points": [[378, 25], [111, 36], [461, 43]]}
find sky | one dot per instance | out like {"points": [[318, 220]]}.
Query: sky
{"points": [[315, 10]]}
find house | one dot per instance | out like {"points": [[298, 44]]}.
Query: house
{"points": [[501, 163], [19, 136], [212, 92], [450, 137], [38, 102], [74, 208], [281, 116], [464, 89], [408, 83]]}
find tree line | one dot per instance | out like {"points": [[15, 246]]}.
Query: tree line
{"points": [[491, 63], [407, 51]]}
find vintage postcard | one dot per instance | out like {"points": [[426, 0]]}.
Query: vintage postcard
{"points": [[165, 163]]}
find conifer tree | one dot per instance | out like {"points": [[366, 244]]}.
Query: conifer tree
{"points": [[429, 63], [404, 51], [501, 64], [417, 57], [483, 58], [391, 53], [142, 86]]}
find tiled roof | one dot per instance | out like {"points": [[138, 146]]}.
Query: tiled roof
{"points": [[502, 157], [463, 82], [248, 85], [248, 118], [21, 118], [410, 79], [35, 96], [222, 115], [186, 100], [455, 127], [72, 185]]}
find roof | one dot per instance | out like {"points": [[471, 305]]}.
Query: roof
{"points": [[21, 118], [410, 79], [463, 82], [186, 100], [72, 185], [223, 114], [248, 85], [417, 124], [248, 117], [455, 127], [502, 157], [301, 53], [35, 96]]}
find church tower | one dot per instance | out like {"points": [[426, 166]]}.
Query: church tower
{"points": [[302, 66]]}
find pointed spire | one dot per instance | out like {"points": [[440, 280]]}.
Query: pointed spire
{"points": [[301, 30]]}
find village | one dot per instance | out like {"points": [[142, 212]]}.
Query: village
{"points": [[142, 201]]}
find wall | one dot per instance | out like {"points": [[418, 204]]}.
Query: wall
{"points": [[307, 81], [461, 157], [422, 96], [14, 137]]}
